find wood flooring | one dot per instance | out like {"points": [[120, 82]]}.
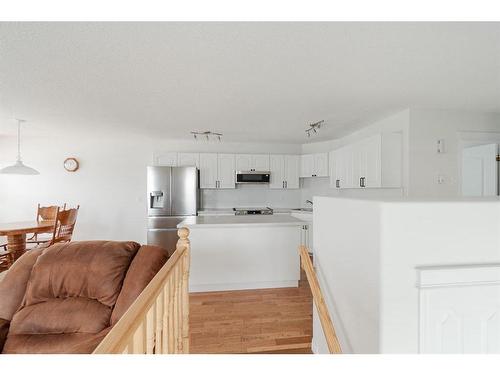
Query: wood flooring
{"points": [[273, 321]]}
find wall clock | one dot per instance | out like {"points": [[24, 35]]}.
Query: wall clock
{"points": [[71, 164]]}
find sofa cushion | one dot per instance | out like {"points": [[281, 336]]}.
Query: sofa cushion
{"points": [[62, 315], [89, 269], [148, 261], [13, 285], [70, 343]]}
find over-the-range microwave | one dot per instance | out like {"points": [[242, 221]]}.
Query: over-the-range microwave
{"points": [[253, 177]]}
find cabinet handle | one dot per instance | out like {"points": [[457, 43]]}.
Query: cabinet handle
{"points": [[286, 184], [337, 183], [362, 182]]}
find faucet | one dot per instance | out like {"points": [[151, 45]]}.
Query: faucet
{"points": [[308, 201]]}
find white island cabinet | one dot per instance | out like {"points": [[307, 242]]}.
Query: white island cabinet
{"points": [[243, 252]]}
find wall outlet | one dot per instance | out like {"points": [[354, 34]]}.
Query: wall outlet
{"points": [[440, 179], [440, 146]]}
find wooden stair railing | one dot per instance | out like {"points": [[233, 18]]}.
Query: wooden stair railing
{"points": [[158, 320], [326, 322]]}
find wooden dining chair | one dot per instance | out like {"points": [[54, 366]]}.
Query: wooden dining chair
{"points": [[47, 213], [64, 226], [6, 258]]}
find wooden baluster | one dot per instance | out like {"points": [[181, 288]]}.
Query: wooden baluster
{"points": [[166, 294], [159, 323], [171, 289], [138, 340], [176, 310], [184, 242], [180, 307], [150, 329]]}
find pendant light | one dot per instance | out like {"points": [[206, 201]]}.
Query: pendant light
{"points": [[18, 167]]}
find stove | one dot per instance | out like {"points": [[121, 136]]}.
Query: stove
{"points": [[253, 211]]}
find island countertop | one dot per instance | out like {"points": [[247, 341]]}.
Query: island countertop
{"points": [[240, 220]]}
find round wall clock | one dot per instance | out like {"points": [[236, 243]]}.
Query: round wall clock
{"points": [[71, 164]]}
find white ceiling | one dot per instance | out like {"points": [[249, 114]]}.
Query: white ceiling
{"points": [[250, 81]]}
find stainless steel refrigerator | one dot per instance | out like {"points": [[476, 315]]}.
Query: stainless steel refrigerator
{"points": [[173, 195]]}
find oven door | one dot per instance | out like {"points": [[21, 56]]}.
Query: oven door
{"points": [[252, 177]]}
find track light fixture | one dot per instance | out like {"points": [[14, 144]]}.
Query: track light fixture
{"points": [[207, 134], [314, 128]]}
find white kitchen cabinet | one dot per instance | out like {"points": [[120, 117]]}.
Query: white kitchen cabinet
{"points": [[284, 171], [188, 159], [306, 235], [208, 171], [226, 172], [320, 164], [260, 162], [314, 165], [248, 162], [292, 171], [306, 165], [168, 159], [372, 162]]}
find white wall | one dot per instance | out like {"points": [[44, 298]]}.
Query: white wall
{"points": [[111, 183], [367, 253], [426, 127]]}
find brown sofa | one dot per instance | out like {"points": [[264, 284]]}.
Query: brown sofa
{"points": [[65, 298]]}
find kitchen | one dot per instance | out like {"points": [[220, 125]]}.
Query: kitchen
{"points": [[180, 194]]}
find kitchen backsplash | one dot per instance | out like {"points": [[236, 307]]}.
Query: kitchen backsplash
{"points": [[250, 196]]}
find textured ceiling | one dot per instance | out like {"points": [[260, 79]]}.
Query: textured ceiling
{"points": [[250, 81]]}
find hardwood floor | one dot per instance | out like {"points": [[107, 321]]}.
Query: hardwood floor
{"points": [[273, 321]]}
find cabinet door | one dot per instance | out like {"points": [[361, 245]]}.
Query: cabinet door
{"points": [[260, 162], [226, 171], [369, 162], [208, 171], [188, 159], [306, 165], [292, 171], [243, 162], [277, 168], [320, 165], [168, 159], [345, 164], [332, 166]]}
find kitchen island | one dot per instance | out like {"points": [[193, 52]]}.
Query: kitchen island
{"points": [[243, 252]]}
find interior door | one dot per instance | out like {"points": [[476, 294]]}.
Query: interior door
{"points": [[226, 171], [480, 171]]}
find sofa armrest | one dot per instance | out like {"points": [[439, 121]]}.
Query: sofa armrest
{"points": [[4, 330]]}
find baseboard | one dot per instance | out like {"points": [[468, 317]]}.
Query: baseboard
{"points": [[242, 286]]}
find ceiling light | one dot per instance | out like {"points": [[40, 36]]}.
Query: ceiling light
{"points": [[18, 167], [207, 135], [314, 128]]}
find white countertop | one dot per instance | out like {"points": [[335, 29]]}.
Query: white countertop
{"points": [[240, 220]]}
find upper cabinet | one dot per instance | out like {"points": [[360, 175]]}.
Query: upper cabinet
{"points": [[168, 159], [226, 171], [285, 170], [372, 162], [217, 171], [188, 159], [314, 165], [248, 162], [208, 171]]}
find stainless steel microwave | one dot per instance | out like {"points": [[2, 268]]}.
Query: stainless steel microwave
{"points": [[252, 177]]}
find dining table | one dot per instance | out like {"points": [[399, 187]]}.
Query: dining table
{"points": [[16, 233]]}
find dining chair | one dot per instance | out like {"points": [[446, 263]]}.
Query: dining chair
{"points": [[6, 258], [47, 213], [64, 226]]}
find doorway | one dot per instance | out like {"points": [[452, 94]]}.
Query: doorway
{"points": [[480, 170]]}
